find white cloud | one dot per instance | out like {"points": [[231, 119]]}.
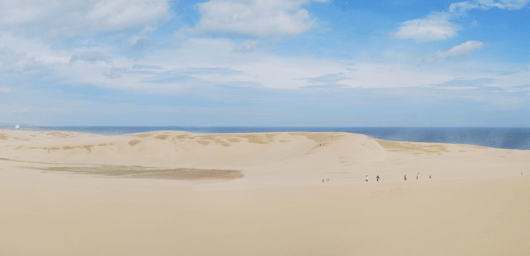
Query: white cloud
{"points": [[90, 57], [434, 27], [428, 60], [329, 79], [21, 111], [461, 50], [212, 62], [5, 90], [518, 89], [147, 30], [503, 4], [68, 18], [208, 61], [113, 74], [14, 62], [511, 80], [247, 46], [179, 38], [439, 26], [138, 44], [138, 40], [457, 88], [462, 7], [255, 18]]}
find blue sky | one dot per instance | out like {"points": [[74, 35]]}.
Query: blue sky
{"points": [[265, 63]]}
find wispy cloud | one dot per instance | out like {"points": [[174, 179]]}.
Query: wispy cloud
{"points": [[192, 75], [146, 67], [441, 25], [463, 84], [512, 79], [328, 79], [138, 44], [516, 89], [113, 74], [247, 46], [20, 111], [461, 50], [434, 27], [11, 61], [5, 90], [501, 4], [90, 57]]}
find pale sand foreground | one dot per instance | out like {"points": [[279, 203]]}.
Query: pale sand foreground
{"points": [[258, 194]]}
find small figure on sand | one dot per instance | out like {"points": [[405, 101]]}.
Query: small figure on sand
{"points": [[521, 173], [322, 180], [377, 178], [418, 176], [405, 177], [327, 180], [366, 178], [429, 177]]}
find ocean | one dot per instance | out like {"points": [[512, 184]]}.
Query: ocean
{"points": [[508, 138]]}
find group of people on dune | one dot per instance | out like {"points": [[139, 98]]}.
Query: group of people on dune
{"points": [[404, 177], [417, 177], [377, 178]]}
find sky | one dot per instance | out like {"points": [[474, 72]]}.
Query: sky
{"points": [[379, 63]]}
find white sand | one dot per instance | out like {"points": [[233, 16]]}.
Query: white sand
{"points": [[477, 203]]}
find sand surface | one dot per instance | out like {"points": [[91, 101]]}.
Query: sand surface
{"points": [[179, 193]]}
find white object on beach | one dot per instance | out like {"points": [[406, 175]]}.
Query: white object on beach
{"points": [[17, 126]]}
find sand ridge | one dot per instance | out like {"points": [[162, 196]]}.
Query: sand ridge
{"points": [[302, 156]]}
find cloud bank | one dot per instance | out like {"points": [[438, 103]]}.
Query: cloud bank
{"points": [[69, 18]]}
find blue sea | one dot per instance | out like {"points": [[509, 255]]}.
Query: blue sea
{"points": [[508, 138]]}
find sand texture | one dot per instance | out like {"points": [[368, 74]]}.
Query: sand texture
{"points": [[179, 193]]}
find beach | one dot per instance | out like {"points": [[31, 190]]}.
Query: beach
{"points": [[180, 193]]}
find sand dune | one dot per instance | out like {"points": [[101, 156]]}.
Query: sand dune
{"points": [[298, 156], [179, 193]]}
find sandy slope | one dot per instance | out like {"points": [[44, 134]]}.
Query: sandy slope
{"points": [[476, 204]]}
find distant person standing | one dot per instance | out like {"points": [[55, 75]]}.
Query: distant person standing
{"points": [[366, 178], [405, 177], [429, 177], [322, 180], [327, 180], [377, 178], [418, 176]]}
